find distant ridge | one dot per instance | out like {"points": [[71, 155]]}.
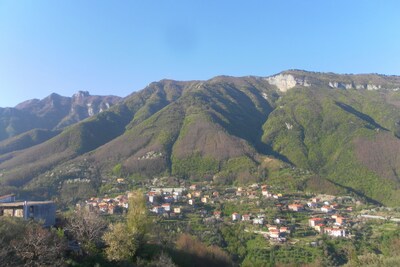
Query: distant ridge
{"points": [[343, 130]]}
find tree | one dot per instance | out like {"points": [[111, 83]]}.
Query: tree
{"points": [[39, 247], [29, 244], [87, 228], [10, 228], [137, 219], [124, 239], [192, 252], [163, 260], [122, 244]]}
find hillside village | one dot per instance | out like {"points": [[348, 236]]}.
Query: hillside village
{"points": [[278, 216]]}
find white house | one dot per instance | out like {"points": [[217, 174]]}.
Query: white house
{"points": [[166, 206], [336, 232], [236, 216], [158, 210], [326, 208], [314, 221], [258, 221]]}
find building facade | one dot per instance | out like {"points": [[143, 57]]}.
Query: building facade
{"points": [[42, 211]]}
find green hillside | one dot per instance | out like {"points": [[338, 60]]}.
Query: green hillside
{"points": [[337, 131]]}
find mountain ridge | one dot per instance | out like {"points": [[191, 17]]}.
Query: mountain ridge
{"points": [[226, 129], [54, 112]]}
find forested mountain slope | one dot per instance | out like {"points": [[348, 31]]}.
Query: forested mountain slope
{"points": [[343, 128]]}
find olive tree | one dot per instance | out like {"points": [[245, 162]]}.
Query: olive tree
{"points": [[87, 228], [123, 239]]}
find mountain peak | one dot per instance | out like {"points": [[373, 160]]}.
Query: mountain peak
{"points": [[81, 94], [285, 81]]}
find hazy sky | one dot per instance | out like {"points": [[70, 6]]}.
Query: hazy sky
{"points": [[117, 47]]}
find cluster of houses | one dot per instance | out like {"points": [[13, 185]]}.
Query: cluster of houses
{"points": [[163, 201], [252, 192], [174, 202], [106, 205], [328, 222], [171, 202], [333, 226]]}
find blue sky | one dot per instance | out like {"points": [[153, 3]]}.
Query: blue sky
{"points": [[117, 47]]}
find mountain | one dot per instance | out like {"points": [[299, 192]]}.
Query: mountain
{"points": [[54, 112], [340, 132]]}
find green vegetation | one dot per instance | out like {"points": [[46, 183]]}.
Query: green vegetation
{"points": [[337, 140], [194, 165]]}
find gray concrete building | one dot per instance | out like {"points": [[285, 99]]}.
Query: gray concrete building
{"points": [[42, 211]]}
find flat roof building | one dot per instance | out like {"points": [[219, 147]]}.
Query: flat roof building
{"points": [[7, 198], [44, 211]]}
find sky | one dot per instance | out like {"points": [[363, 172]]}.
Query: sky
{"points": [[118, 47]]}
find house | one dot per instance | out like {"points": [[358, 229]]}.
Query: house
{"points": [[264, 186], [177, 210], [191, 201], [285, 230], [272, 227], [336, 232], [258, 220], [168, 190], [326, 208], [111, 209], [316, 199], [314, 221], [349, 209], [120, 180], [254, 186], [252, 194], [204, 199], [236, 216], [339, 220], [44, 211], [7, 198], [123, 202], [169, 199], [319, 227], [217, 214], [312, 205], [176, 196], [166, 206], [158, 210], [103, 206], [274, 233], [279, 220], [239, 193], [296, 207], [152, 196], [246, 217], [197, 193], [194, 187], [266, 193]]}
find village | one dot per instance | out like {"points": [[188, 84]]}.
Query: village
{"points": [[255, 223], [280, 217]]}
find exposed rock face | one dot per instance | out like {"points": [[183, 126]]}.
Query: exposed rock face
{"points": [[373, 87], [340, 85], [52, 112], [289, 79], [285, 82]]}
